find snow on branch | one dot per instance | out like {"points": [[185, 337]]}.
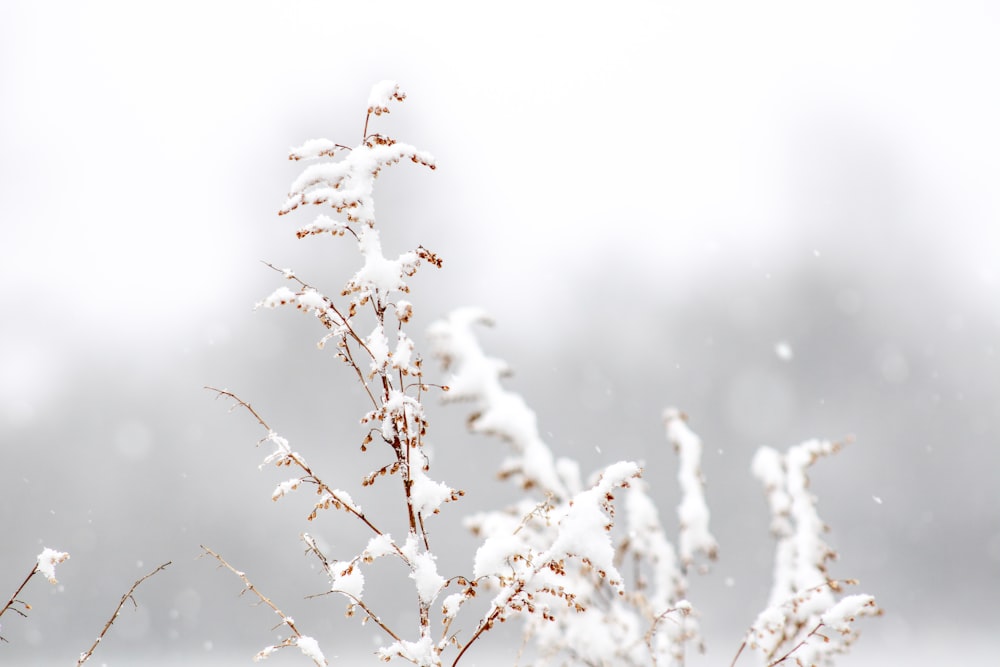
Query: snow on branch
{"points": [[47, 561], [45, 564], [477, 378], [347, 186], [693, 513], [803, 596], [556, 563], [306, 644], [382, 93]]}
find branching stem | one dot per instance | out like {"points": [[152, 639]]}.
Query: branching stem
{"points": [[13, 598], [85, 656]]}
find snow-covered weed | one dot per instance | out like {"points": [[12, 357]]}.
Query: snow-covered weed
{"points": [[584, 563]]}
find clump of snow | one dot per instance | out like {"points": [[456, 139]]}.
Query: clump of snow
{"points": [[47, 561], [278, 297], [344, 498], [404, 310], [282, 454], [378, 546], [378, 347], [310, 648], [841, 615], [648, 541], [421, 653], [311, 149], [403, 355], [348, 579], [286, 487], [451, 605], [423, 570], [584, 531], [323, 224], [346, 186], [265, 653], [499, 412], [426, 495], [693, 513], [382, 93], [494, 556]]}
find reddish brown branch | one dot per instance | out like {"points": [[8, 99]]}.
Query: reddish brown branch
{"points": [[85, 656], [13, 598], [323, 487]]}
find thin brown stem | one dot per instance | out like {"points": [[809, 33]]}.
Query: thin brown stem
{"points": [[795, 648], [310, 475], [248, 586], [85, 656], [346, 351], [738, 653], [325, 562], [344, 321], [13, 598], [651, 633], [488, 622]]}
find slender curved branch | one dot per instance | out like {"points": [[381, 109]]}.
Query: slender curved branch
{"points": [[85, 656]]}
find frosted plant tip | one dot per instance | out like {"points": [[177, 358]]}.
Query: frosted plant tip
{"points": [[47, 561], [382, 93]]}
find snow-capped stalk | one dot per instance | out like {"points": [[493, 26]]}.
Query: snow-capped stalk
{"points": [[45, 564], [803, 596], [368, 331], [693, 513], [631, 619]]}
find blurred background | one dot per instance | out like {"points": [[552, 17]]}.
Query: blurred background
{"points": [[781, 217]]}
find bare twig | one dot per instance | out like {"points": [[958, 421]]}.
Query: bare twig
{"points": [[310, 476], [13, 598], [85, 656], [738, 653], [285, 620]]}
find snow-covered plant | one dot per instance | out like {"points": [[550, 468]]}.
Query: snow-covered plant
{"points": [[585, 564], [803, 596], [608, 621], [651, 621], [535, 571]]}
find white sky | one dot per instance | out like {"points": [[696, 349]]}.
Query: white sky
{"points": [[143, 144]]}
